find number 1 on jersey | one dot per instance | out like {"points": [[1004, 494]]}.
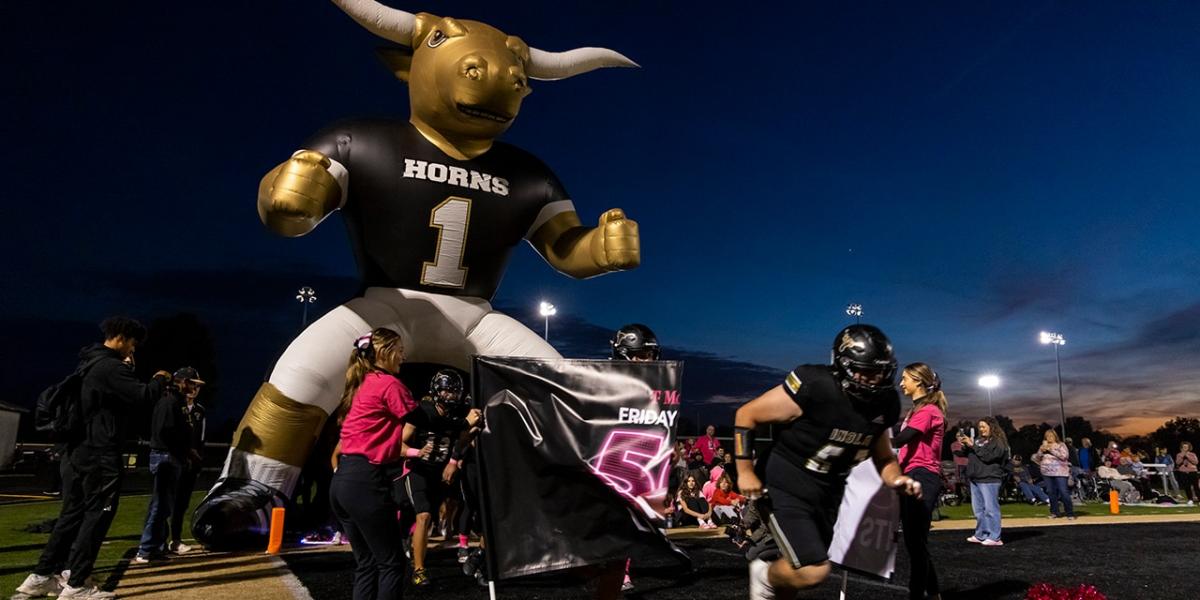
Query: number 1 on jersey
{"points": [[450, 218]]}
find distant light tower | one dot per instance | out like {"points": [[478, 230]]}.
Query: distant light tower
{"points": [[1049, 337], [854, 310], [306, 296], [547, 310], [989, 382]]}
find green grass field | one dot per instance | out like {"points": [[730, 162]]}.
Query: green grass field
{"points": [[1022, 510], [19, 550]]}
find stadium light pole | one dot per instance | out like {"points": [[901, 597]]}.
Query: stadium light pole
{"points": [[989, 382], [306, 296], [547, 310], [854, 310], [1056, 339]]}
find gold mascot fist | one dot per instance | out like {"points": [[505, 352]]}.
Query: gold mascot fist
{"points": [[294, 196], [617, 246]]}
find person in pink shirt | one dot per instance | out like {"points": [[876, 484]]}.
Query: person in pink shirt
{"points": [[375, 406], [920, 444], [708, 445], [1185, 469]]}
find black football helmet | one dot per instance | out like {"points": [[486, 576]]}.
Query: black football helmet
{"points": [[635, 342], [447, 380], [863, 360]]}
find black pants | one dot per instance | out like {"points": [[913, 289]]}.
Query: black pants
{"points": [[183, 497], [91, 491], [468, 514], [916, 515], [361, 500], [1187, 481]]}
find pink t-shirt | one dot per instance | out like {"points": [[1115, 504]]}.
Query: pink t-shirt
{"points": [[374, 427], [925, 450]]}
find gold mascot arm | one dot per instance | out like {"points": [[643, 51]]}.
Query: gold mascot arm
{"points": [[297, 194], [583, 252]]}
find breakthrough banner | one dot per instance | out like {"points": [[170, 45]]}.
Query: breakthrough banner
{"points": [[574, 460]]}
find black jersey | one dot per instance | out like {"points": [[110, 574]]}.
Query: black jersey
{"points": [[421, 220], [836, 430], [442, 430]]}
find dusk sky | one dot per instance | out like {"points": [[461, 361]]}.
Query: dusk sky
{"points": [[971, 173]]}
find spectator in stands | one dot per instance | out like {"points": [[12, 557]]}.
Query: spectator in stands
{"points": [[1115, 479], [695, 508], [111, 398], [190, 383], [1026, 483], [1171, 484], [708, 445], [1089, 459], [731, 469], [988, 455], [1185, 467], [1126, 467], [920, 444], [170, 452], [725, 501], [1052, 457], [1113, 454], [374, 409]]}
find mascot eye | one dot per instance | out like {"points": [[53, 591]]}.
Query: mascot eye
{"points": [[474, 73], [437, 38]]}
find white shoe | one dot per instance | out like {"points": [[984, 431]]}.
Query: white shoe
{"points": [[180, 548], [40, 585], [140, 560], [65, 576], [760, 587], [86, 593]]}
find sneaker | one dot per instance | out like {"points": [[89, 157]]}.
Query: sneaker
{"points": [[992, 543], [627, 586], [463, 555], [87, 593], [1191, 502], [65, 576], [179, 548], [1053, 516], [140, 560], [760, 587], [339, 539], [40, 585], [1071, 517], [974, 540], [420, 578]]}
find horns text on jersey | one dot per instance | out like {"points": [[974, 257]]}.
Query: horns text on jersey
{"points": [[466, 178]]}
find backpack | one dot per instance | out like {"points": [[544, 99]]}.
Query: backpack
{"points": [[59, 409]]}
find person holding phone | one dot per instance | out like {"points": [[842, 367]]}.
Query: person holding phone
{"points": [[987, 457], [1053, 459]]}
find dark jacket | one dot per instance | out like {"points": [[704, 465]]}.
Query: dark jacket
{"points": [[169, 430], [112, 398], [987, 461]]}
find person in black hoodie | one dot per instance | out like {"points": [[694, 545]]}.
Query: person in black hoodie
{"points": [[110, 397], [988, 457], [170, 453]]}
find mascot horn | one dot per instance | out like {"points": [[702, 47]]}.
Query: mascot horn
{"points": [[434, 206]]}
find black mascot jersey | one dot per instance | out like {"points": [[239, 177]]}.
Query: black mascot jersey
{"points": [[837, 430], [421, 220], [442, 430]]}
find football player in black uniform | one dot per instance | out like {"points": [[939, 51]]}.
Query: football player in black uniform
{"points": [[443, 423], [434, 206], [828, 419], [635, 342]]}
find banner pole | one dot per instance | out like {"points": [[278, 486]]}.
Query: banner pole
{"points": [[845, 580], [489, 554], [491, 590]]}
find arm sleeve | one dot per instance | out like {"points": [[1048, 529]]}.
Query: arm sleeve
{"points": [[1059, 451], [556, 201], [793, 386], [334, 142], [909, 434]]}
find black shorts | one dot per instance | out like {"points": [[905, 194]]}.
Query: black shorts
{"points": [[424, 490], [803, 512]]}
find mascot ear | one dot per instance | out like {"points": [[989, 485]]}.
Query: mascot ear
{"points": [[425, 23], [397, 59]]}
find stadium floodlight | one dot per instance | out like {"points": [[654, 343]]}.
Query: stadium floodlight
{"points": [[854, 310], [547, 310], [989, 382], [1056, 340], [306, 296]]}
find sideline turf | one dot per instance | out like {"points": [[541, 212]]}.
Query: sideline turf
{"points": [[19, 550]]}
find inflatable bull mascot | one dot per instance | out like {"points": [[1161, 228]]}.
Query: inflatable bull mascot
{"points": [[434, 206]]}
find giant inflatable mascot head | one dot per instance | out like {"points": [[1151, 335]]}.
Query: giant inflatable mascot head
{"points": [[434, 205]]}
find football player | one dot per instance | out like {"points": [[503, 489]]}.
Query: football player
{"points": [[443, 423], [635, 342], [828, 418]]}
